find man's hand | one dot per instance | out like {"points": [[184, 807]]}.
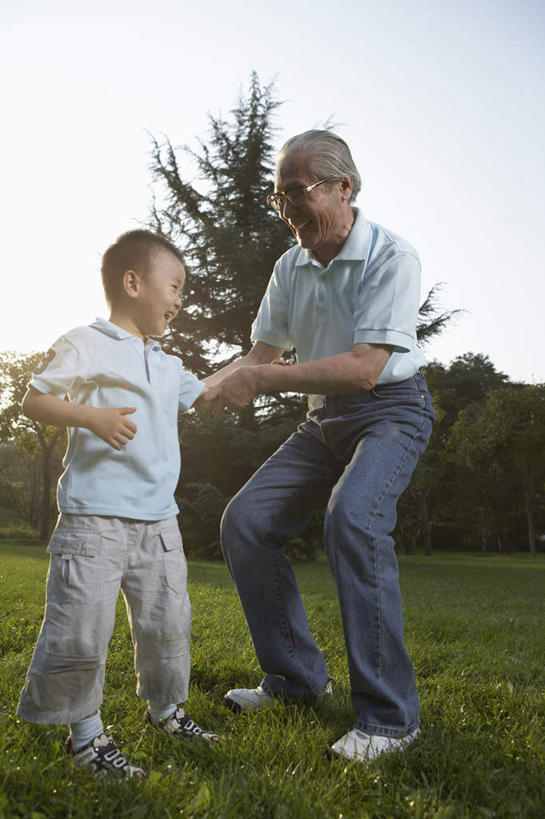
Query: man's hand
{"points": [[236, 389], [111, 425]]}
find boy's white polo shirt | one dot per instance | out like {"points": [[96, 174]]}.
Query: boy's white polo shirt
{"points": [[369, 293], [102, 365]]}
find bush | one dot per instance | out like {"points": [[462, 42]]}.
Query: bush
{"points": [[201, 509], [18, 532]]}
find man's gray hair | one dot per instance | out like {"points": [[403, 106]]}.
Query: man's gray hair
{"points": [[331, 156]]}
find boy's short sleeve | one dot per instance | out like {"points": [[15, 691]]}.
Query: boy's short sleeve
{"points": [[59, 370], [189, 390]]}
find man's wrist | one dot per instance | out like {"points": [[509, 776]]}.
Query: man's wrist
{"points": [[261, 384], [271, 377]]}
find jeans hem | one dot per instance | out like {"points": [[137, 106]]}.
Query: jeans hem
{"points": [[308, 695], [385, 731]]}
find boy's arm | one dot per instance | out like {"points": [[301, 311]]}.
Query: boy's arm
{"points": [[109, 423]]}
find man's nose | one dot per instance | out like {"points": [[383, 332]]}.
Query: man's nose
{"points": [[287, 209]]}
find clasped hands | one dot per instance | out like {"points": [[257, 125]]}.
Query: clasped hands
{"points": [[235, 389]]}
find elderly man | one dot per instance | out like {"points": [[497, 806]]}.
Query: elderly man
{"points": [[347, 298]]}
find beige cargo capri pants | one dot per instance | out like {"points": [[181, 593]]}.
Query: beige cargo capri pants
{"points": [[92, 558]]}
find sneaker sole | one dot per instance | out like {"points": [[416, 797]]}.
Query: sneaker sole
{"points": [[232, 705]]}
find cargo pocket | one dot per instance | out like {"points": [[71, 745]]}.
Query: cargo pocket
{"points": [[74, 574], [174, 561]]}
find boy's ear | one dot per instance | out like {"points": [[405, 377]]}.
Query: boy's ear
{"points": [[131, 283]]}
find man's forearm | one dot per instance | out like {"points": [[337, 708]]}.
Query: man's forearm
{"points": [[342, 373], [212, 380], [260, 353]]}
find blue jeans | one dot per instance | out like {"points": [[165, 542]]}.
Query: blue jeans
{"points": [[359, 451]]}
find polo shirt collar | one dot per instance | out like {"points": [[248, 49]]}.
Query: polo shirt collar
{"points": [[114, 331], [356, 246]]}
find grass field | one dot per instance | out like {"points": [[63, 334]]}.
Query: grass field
{"points": [[475, 628]]}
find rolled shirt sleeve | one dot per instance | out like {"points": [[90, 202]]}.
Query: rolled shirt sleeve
{"points": [[387, 313], [271, 322]]}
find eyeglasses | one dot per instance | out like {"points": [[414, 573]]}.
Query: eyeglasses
{"points": [[295, 196]]}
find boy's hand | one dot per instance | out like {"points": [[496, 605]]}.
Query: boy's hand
{"points": [[201, 404], [112, 426]]}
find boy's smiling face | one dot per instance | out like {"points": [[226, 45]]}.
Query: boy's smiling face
{"points": [[158, 297]]}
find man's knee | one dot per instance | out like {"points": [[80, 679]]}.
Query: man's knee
{"points": [[234, 520], [354, 516], [243, 523], [340, 521]]}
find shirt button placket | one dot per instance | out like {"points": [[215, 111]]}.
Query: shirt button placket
{"points": [[320, 296]]}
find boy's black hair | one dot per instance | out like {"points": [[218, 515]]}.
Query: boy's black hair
{"points": [[133, 250]]}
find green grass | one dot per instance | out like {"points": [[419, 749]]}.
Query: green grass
{"points": [[474, 627]]}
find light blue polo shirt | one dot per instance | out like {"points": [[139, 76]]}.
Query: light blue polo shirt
{"points": [[369, 293], [104, 366]]}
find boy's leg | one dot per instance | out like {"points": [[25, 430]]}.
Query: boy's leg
{"points": [[155, 590], [66, 675], [83, 731]]}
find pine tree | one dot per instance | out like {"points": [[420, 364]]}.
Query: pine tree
{"points": [[229, 235]]}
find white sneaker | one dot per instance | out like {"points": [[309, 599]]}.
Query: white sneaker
{"points": [[248, 699], [357, 745]]}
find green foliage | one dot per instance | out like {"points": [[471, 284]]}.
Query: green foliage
{"points": [[17, 532], [431, 321], [201, 510], [30, 452], [505, 436], [478, 654], [466, 381], [447, 505]]}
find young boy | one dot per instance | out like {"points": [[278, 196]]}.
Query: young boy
{"points": [[117, 525]]}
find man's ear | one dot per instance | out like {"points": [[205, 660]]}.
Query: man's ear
{"points": [[346, 185], [131, 282]]}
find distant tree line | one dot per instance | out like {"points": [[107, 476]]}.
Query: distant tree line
{"points": [[481, 482]]}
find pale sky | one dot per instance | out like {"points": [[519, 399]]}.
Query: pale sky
{"points": [[441, 102]]}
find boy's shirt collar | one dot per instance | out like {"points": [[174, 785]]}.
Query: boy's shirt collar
{"points": [[114, 331]]}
